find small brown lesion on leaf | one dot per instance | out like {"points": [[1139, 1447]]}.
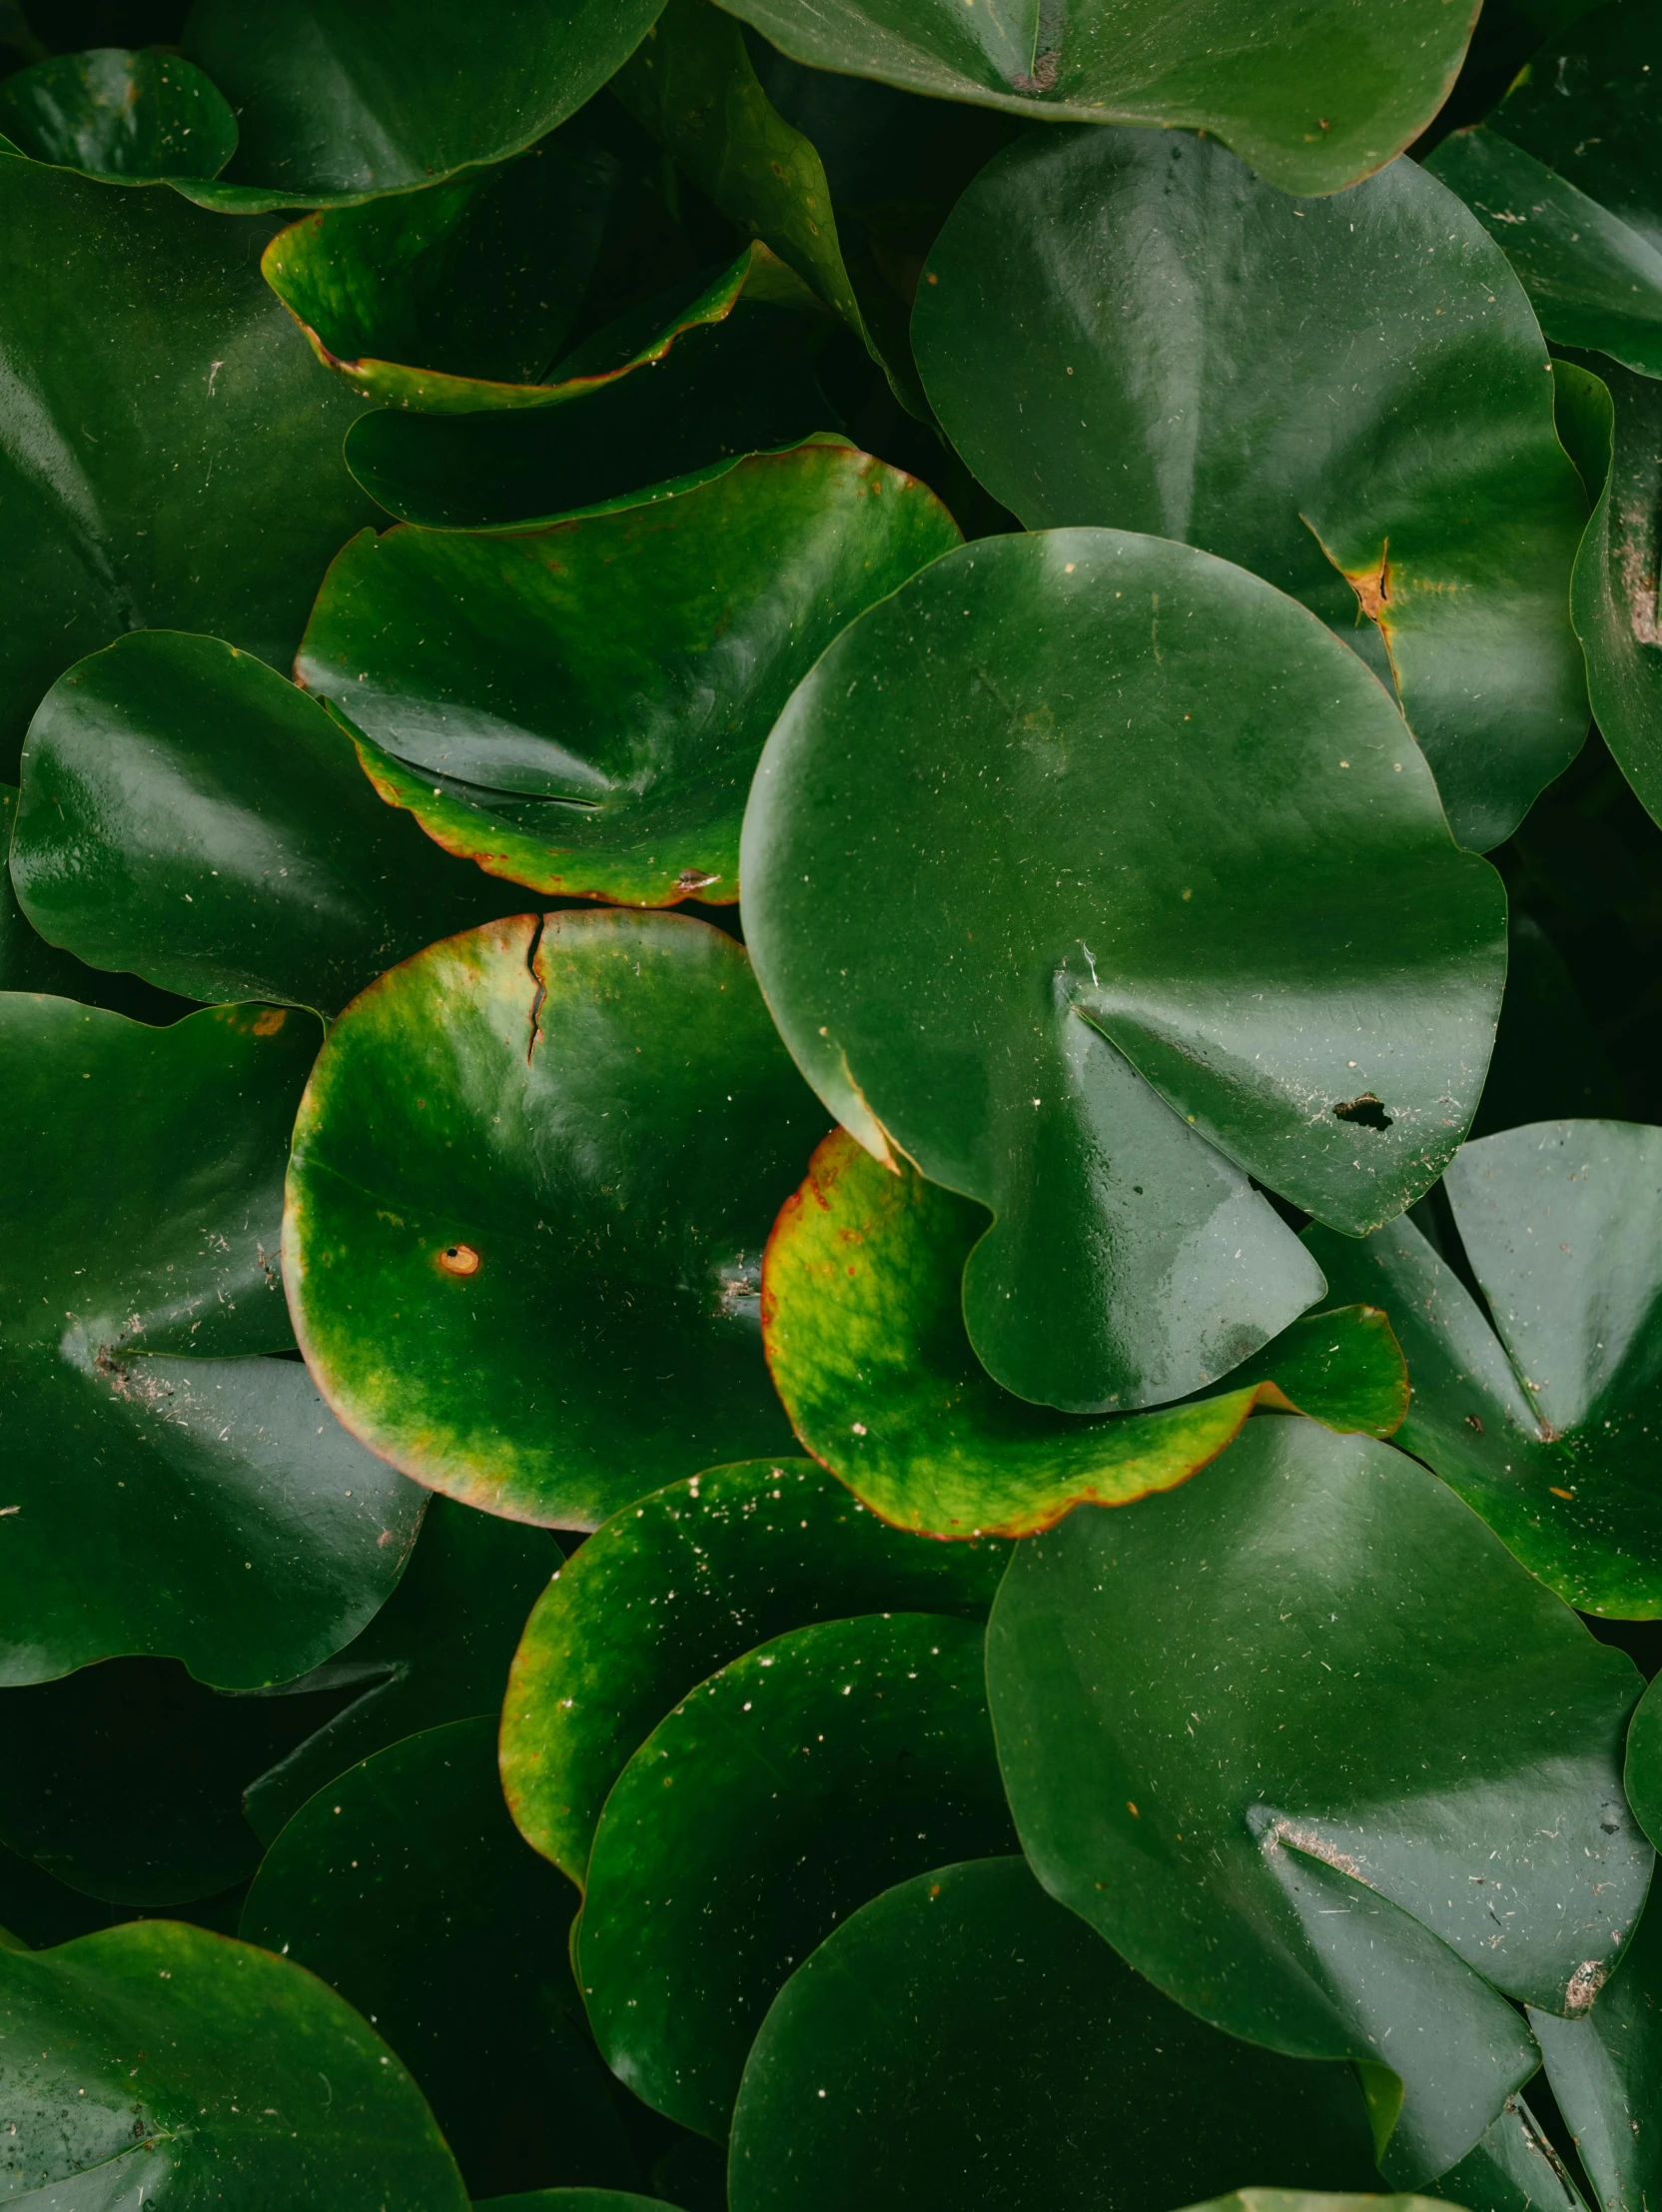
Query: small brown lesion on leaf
{"points": [[1365, 1111], [460, 1258], [1584, 1985]]}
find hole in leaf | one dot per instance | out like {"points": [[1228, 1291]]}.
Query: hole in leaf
{"points": [[1365, 1111]]}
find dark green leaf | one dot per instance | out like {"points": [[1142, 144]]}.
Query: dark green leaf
{"points": [[1229, 958], [1313, 93], [1123, 329], [672, 1589], [1537, 1405], [190, 815], [784, 1793], [146, 2058], [206, 1508], [1310, 2200], [1549, 1062], [570, 2201], [1604, 2071], [404, 1886], [523, 1236], [1515, 2168], [176, 460], [592, 699], [1443, 1821], [130, 118], [962, 2045]]}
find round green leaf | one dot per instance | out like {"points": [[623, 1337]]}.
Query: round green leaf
{"points": [[179, 461], [203, 1507], [1313, 93], [1312, 2200], [336, 100], [582, 709], [127, 118], [524, 1233], [1644, 1763], [1005, 936], [674, 1587], [790, 1787], [962, 2045], [1316, 1754], [1127, 329], [188, 814], [1536, 1405], [1603, 2070], [405, 1887], [570, 2201], [863, 1320], [437, 1650], [147, 2058]]}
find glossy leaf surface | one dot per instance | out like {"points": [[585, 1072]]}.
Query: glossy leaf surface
{"points": [[582, 709], [963, 2042], [341, 101], [143, 1485], [148, 2057], [131, 118], [188, 814], [180, 465], [1588, 106], [571, 2200], [404, 1886], [1444, 1718], [1003, 936], [523, 1234], [673, 1588], [1540, 1405], [863, 1321], [1603, 2070], [1313, 93], [784, 1793], [1513, 2168], [1348, 397]]}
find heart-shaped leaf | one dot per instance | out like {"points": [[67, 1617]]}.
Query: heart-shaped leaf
{"points": [[128, 117], [1313, 96], [674, 1587], [180, 465], [524, 1233], [188, 814], [582, 709], [1094, 877], [340, 102], [1603, 2071], [962, 2044], [863, 1320], [146, 2057], [204, 1506], [1536, 1405], [784, 1793], [1320, 1759], [404, 1886], [1348, 397]]}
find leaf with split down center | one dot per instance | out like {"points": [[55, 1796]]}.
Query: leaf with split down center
{"points": [[863, 1320], [1094, 877], [1348, 397], [1326, 1764], [580, 709], [127, 118], [526, 1214]]}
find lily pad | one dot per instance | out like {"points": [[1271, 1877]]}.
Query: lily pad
{"points": [[1603, 2070], [1348, 397], [1311, 93], [673, 1588], [784, 1793], [1095, 878], [524, 1233], [128, 117], [337, 102], [203, 1507], [405, 1887], [188, 814], [1442, 1829], [1537, 1405], [147, 2055], [863, 1320], [962, 2044], [181, 466], [580, 709]]}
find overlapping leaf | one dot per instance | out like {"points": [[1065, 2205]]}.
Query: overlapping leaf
{"points": [[1603, 2071], [128, 117], [1321, 1759], [1348, 397], [1094, 877], [530, 1184]]}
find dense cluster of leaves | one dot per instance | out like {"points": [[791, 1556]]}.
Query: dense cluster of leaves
{"points": [[831, 1315]]}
